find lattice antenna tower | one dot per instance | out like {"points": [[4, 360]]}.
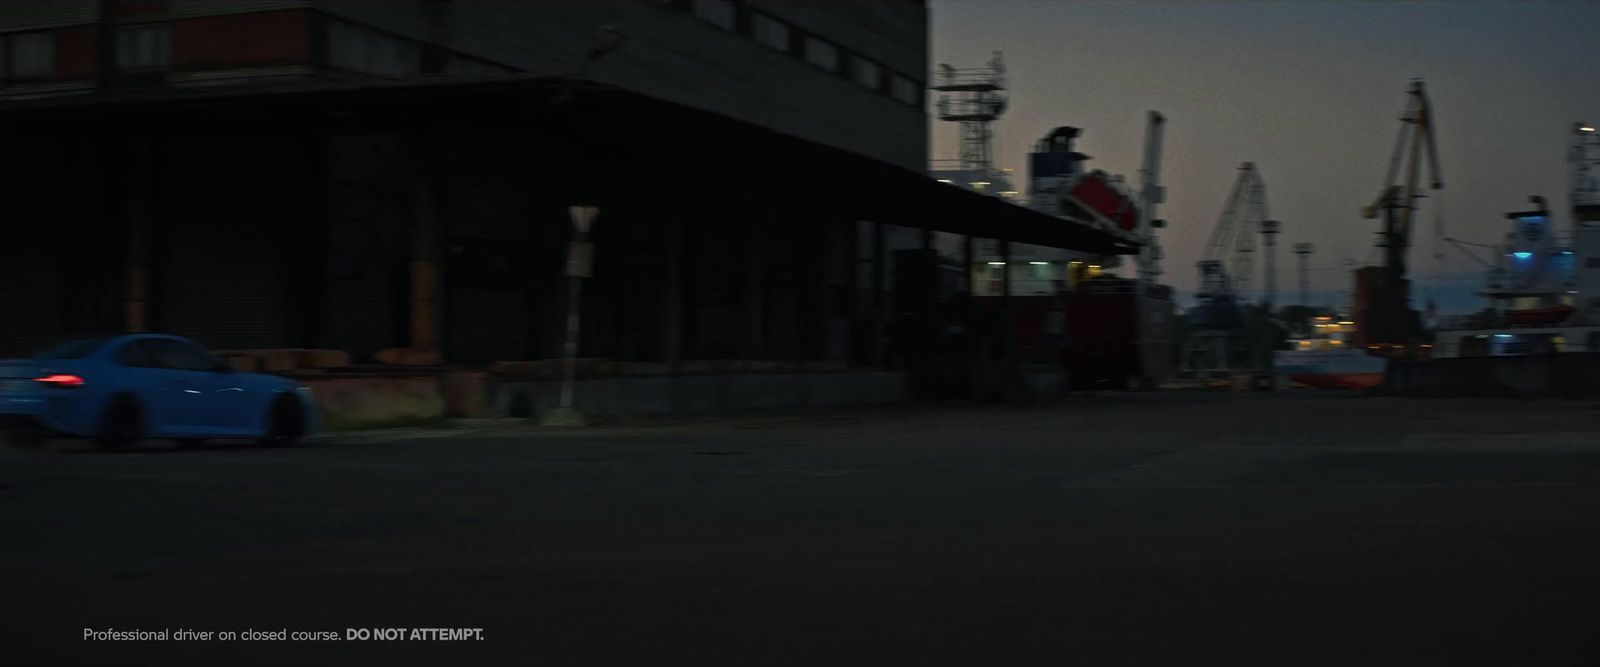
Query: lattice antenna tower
{"points": [[975, 98]]}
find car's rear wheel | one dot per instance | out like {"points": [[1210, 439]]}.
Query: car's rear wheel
{"points": [[121, 425], [286, 423]]}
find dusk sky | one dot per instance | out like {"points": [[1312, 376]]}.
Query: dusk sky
{"points": [[1309, 91]]}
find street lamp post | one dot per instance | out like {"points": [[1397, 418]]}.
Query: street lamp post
{"points": [[580, 260]]}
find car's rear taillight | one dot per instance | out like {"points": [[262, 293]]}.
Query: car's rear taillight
{"points": [[61, 380]]}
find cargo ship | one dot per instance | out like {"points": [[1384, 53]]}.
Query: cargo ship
{"points": [[1328, 358], [1110, 331], [1542, 289], [1105, 332], [1070, 309]]}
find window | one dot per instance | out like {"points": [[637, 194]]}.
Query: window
{"points": [[359, 49], [164, 353], [905, 90], [143, 47], [138, 354], [868, 74], [31, 55], [770, 32], [716, 12], [180, 356], [822, 54]]}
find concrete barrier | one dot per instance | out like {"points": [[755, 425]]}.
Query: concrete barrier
{"points": [[378, 402], [1571, 375], [604, 390], [465, 393], [404, 356]]}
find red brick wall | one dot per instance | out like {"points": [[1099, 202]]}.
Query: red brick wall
{"points": [[75, 53], [259, 38]]}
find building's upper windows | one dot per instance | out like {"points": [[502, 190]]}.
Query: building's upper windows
{"points": [[822, 54], [145, 46], [770, 32], [867, 73], [719, 13], [30, 55], [359, 49], [905, 90]]}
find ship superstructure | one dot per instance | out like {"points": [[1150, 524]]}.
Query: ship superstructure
{"points": [[1542, 286]]}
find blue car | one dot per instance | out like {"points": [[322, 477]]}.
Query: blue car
{"points": [[120, 389]]}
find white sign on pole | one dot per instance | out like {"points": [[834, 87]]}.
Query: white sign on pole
{"points": [[582, 217]]}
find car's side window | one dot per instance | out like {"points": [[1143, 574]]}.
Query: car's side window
{"points": [[179, 356], [200, 358], [138, 354]]}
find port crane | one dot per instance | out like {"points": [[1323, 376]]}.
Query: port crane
{"points": [[1151, 193], [1225, 266], [1221, 343], [1388, 316]]}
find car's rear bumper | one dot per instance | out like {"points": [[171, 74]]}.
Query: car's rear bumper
{"points": [[48, 414], [23, 406], [22, 423]]}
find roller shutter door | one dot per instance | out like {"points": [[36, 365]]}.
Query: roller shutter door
{"points": [[31, 285], [221, 244], [369, 246], [30, 290], [488, 261]]}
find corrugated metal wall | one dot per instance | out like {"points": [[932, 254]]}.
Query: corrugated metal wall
{"points": [[31, 292], [368, 243], [221, 241], [31, 285], [489, 241], [625, 307]]}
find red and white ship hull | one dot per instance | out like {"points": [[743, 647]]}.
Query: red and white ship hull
{"points": [[1330, 369]]}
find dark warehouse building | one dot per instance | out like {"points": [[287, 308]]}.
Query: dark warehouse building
{"points": [[366, 176]]}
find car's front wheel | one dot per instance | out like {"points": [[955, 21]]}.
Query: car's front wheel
{"points": [[286, 423], [121, 425]]}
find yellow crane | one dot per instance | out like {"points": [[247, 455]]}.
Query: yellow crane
{"points": [[1389, 318], [1397, 201]]}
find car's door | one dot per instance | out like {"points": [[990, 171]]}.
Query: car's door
{"points": [[207, 399], [169, 395]]}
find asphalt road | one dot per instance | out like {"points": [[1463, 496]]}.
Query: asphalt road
{"points": [[1171, 528]]}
